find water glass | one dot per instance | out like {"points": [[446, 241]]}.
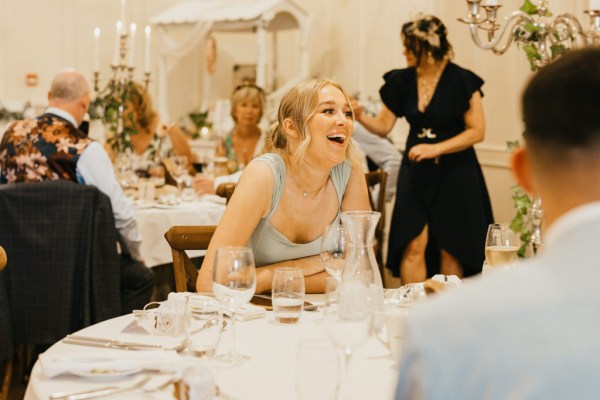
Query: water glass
{"points": [[288, 295], [234, 283], [334, 249], [317, 370], [394, 316], [501, 245], [205, 328]]}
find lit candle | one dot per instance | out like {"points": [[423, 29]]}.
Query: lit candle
{"points": [[132, 29], [117, 44], [490, 3], [594, 5], [147, 60], [123, 13], [96, 49]]}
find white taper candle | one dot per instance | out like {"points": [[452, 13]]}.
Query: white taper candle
{"points": [[132, 31], [117, 44], [123, 6], [147, 59], [96, 49]]}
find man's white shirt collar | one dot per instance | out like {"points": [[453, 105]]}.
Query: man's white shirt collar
{"points": [[62, 114]]}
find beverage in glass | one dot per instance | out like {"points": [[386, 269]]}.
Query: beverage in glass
{"points": [[288, 294], [334, 248], [501, 245]]}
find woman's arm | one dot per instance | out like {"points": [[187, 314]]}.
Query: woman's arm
{"points": [[380, 125], [250, 202], [473, 133]]}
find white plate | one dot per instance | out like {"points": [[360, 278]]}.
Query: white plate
{"points": [[106, 373]]}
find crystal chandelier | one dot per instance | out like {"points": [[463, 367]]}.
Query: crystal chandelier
{"points": [[543, 36]]}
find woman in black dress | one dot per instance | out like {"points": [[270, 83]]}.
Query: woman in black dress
{"points": [[441, 196]]}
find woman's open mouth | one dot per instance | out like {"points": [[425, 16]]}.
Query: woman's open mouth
{"points": [[337, 138]]}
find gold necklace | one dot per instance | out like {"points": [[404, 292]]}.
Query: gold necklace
{"points": [[427, 87], [305, 193]]}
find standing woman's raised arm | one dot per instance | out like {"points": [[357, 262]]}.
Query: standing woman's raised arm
{"points": [[381, 124], [250, 202]]}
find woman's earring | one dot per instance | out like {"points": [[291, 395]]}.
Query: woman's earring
{"points": [[430, 59]]}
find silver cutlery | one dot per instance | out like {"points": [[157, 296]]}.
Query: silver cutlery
{"points": [[117, 344], [99, 392]]}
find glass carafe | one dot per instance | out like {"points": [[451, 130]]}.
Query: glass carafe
{"points": [[361, 262]]}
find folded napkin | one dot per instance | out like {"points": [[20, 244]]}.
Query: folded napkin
{"points": [[110, 361], [200, 301]]}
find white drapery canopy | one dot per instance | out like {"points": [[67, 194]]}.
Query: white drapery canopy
{"points": [[201, 17]]}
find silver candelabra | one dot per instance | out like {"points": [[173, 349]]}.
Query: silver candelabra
{"points": [[536, 27]]}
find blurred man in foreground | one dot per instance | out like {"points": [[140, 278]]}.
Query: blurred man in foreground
{"points": [[531, 332]]}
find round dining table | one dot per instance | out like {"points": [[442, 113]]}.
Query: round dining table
{"points": [[155, 219], [269, 373]]}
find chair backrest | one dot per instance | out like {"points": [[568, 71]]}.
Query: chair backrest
{"points": [[182, 238], [63, 267], [378, 179], [226, 190]]}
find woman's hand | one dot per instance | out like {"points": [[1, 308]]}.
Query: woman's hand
{"points": [[422, 152], [203, 185]]}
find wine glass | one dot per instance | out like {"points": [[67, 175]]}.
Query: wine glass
{"points": [[234, 284], [180, 164], [501, 245], [347, 320], [334, 248]]}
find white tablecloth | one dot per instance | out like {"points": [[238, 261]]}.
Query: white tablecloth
{"points": [[154, 222], [269, 374]]}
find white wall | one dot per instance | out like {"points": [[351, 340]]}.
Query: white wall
{"points": [[354, 42]]}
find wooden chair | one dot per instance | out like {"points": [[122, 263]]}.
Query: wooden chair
{"points": [[375, 178], [226, 190], [6, 351], [182, 238]]}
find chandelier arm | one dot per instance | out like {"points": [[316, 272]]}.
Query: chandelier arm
{"points": [[573, 25], [515, 19]]}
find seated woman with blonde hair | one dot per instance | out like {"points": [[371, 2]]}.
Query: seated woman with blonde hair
{"points": [[285, 199], [150, 143], [244, 142]]}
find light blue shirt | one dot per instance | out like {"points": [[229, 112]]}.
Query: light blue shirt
{"points": [[382, 152], [527, 333], [95, 168]]}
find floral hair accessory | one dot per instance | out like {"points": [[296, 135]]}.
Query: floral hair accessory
{"points": [[425, 28]]}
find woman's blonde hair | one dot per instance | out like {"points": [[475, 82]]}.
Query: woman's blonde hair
{"points": [[247, 91], [139, 104], [299, 104]]}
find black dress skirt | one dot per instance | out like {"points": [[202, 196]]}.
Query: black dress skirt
{"points": [[448, 193]]}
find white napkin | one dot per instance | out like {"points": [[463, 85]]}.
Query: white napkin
{"points": [[110, 360], [246, 312]]}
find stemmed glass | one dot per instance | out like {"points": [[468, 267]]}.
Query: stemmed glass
{"points": [[501, 245], [347, 320], [334, 248], [234, 284], [180, 164]]}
